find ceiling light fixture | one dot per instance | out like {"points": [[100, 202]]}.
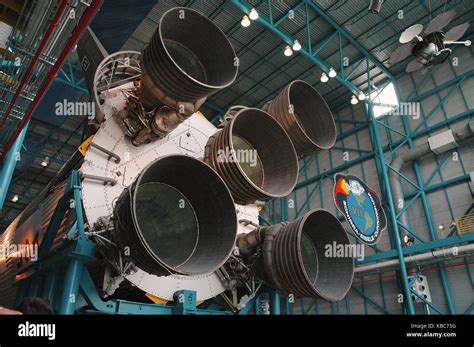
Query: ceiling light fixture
{"points": [[408, 239], [296, 46], [245, 21], [354, 100], [361, 96], [332, 73], [324, 78], [253, 14], [45, 162], [288, 51], [15, 198]]}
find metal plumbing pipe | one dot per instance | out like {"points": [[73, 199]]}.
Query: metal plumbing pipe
{"points": [[439, 253], [413, 154]]}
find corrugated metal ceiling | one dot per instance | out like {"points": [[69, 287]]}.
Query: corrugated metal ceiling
{"points": [[264, 69]]}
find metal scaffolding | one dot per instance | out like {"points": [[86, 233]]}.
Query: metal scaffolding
{"points": [[382, 155], [381, 152], [39, 50]]}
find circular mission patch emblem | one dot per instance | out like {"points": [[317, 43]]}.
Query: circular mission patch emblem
{"points": [[361, 207]]}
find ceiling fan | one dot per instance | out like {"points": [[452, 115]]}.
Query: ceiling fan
{"points": [[429, 47]]}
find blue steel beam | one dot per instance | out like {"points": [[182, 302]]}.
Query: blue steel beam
{"points": [[308, 31], [441, 102], [244, 7], [290, 63], [392, 39], [289, 41], [391, 207], [248, 72], [360, 84], [426, 302], [8, 168], [447, 183], [422, 189], [349, 38], [441, 87], [387, 42], [281, 68], [334, 170], [469, 309], [383, 174], [275, 302], [27, 188], [365, 52], [426, 209], [365, 297], [323, 44], [67, 75]]}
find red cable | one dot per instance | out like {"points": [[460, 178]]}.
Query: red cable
{"points": [[54, 23], [76, 34]]}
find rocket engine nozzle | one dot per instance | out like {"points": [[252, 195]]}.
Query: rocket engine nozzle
{"points": [[254, 156], [294, 258], [305, 116], [177, 217]]}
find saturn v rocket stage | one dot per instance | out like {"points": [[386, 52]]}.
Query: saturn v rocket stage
{"points": [[169, 201]]}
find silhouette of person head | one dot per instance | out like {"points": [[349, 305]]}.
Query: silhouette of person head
{"points": [[35, 306]]}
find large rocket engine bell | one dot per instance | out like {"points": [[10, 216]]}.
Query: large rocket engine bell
{"points": [[188, 58], [171, 223], [306, 116], [294, 257], [254, 156]]}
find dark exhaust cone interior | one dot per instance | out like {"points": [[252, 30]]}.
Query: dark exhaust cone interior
{"points": [[306, 116], [254, 156], [178, 216], [187, 59], [295, 260]]}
